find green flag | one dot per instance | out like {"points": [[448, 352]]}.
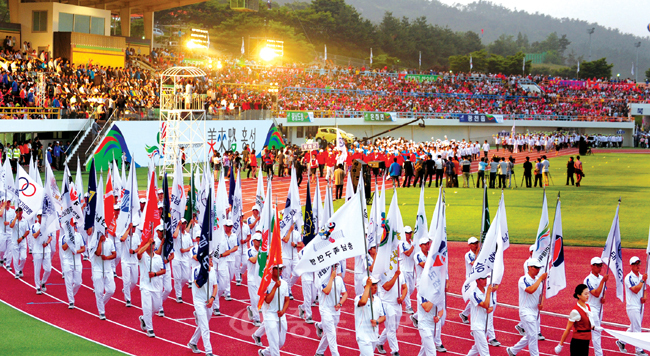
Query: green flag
{"points": [[191, 201], [485, 217]]}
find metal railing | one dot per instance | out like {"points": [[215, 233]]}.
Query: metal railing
{"points": [[78, 139], [406, 93], [48, 113]]}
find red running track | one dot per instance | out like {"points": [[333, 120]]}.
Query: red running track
{"points": [[231, 331]]}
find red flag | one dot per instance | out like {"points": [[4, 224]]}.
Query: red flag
{"points": [[274, 258], [151, 213], [109, 202]]}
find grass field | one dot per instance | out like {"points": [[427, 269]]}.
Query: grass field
{"points": [[587, 212], [24, 335]]}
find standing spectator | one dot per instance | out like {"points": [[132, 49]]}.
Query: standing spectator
{"points": [[430, 169], [570, 169], [408, 173], [339, 177], [481, 173], [578, 170], [451, 173], [56, 152], [503, 171], [395, 170], [486, 148], [280, 160], [494, 165], [528, 167], [322, 158], [545, 166], [538, 173], [465, 164], [511, 171], [440, 170]]}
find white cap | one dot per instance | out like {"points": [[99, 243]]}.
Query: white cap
{"points": [[229, 222], [257, 236], [183, 220], [86, 195], [159, 227], [634, 260], [40, 212], [256, 207], [472, 240], [373, 279], [424, 240], [531, 248], [160, 191], [143, 200], [532, 262], [116, 207], [160, 205], [596, 261], [279, 265], [407, 229]]}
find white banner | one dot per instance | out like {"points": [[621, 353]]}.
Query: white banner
{"points": [[30, 194]]}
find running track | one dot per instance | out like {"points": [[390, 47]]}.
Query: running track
{"points": [[230, 333]]}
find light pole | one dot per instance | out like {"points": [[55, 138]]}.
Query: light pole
{"points": [[590, 31], [636, 63]]}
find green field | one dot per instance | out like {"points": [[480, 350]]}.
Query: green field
{"points": [[587, 212], [24, 335]]}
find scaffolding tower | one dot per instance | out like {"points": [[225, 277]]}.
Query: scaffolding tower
{"points": [[182, 119]]}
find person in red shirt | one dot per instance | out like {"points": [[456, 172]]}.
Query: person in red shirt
{"points": [[331, 164], [321, 157]]}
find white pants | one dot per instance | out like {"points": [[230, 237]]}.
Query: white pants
{"points": [[366, 348], [44, 260], [129, 279], [252, 294], [490, 329], [9, 252], [480, 344], [307, 295], [181, 276], [467, 309], [238, 265], [104, 289], [635, 322], [223, 277], [410, 285], [438, 335], [428, 347], [203, 315], [393, 315], [358, 283], [20, 256], [118, 253], [72, 282], [4, 244], [329, 172], [328, 324], [276, 334], [150, 303], [595, 334], [167, 285], [232, 268], [530, 324]]}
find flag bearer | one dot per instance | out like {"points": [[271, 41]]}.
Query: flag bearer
{"points": [[596, 284], [529, 307], [167, 276], [152, 268], [393, 292], [482, 304], [203, 298], [470, 257], [368, 314], [5, 234], [182, 260], [332, 295], [406, 249], [275, 306], [20, 231], [102, 273], [634, 298], [130, 242], [254, 278], [72, 245], [42, 255]]}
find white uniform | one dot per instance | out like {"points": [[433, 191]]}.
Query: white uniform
{"points": [[231, 242], [167, 277], [426, 326], [479, 315], [366, 335], [130, 264], [290, 258], [150, 287], [407, 266], [592, 283], [361, 272], [329, 316], [633, 303], [308, 291], [5, 238], [102, 275], [20, 249], [72, 264], [469, 258], [221, 264], [181, 262], [275, 327], [254, 280], [393, 311], [200, 297], [42, 257], [528, 310]]}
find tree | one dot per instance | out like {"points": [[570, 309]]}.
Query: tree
{"points": [[503, 46], [596, 69], [647, 74]]}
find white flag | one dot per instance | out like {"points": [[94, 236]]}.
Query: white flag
{"points": [[361, 189], [503, 242], [349, 188], [178, 200], [470, 63], [220, 206], [51, 203], [543, 240], [392, 235], [259, 194], [30, 194], [373, 220], [340, 146], [116, 180], [292, 209], [434, 274], [613, 256], [100, 222], [3, 184], [79, 185], [371, 57], [129, 206], [346, 240], [237, 209], [325, 57], [317, 208], [381, 212], [556, 275], [328, 207], [242, 46]]}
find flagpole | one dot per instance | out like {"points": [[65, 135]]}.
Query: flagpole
{"points": [[548, 256], [277, 294], [489, 299], [153, 252], [609, 260], [365, 244]]}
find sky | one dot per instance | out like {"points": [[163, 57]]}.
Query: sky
{"points": [[629, 16]]}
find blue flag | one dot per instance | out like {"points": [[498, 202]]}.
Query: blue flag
{"points": [[203, 253], [89, 220], [168, 247], [309, 226], [231, 189]]}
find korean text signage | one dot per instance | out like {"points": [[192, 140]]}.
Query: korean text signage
{"points": [[300, 116], [379, 116], [480, 118]]}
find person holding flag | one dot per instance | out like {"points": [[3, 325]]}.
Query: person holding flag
{"points": [[203, 274], [130, 242], [253, 270], [393, 291], [182, 270], [42, 255], [634, 299], [160, 241], [406, 249], [20, 232], [73, 247], [596, 284], [482, 304], [529, 307], [5, 235], [332, 295], [470, 257], [102, 271], [290, 244], [368, 314], [274, 307], [152, 268]]}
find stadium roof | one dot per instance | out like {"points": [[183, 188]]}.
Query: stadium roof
{"points": [[134, 5]]}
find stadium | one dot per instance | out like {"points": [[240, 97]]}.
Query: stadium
{"points": [[204, 177]]}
